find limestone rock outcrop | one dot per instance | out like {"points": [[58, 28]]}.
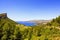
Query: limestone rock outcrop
{"points": [[3, 15]]}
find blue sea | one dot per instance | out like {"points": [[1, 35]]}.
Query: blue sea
{"points": [[26, 23]]}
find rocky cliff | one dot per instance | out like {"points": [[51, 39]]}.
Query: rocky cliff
{"points": [[3, 15]]}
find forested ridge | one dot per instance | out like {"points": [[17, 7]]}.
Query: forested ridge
{"points": [[10, 30]]}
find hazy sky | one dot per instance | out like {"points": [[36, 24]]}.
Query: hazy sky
{"points": [[22, 10]]}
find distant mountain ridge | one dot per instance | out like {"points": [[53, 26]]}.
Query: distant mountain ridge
{"points": [[40, 21], [33, 22]]}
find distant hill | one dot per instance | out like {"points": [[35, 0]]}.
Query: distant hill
{"points": [[33, 22], [40, 21]]}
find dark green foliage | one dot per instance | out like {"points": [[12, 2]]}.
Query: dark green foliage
{"points": [[18, 34], [7, 29], [46, 39], [55, 22]]}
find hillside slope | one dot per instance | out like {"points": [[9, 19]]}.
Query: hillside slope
{"points": [[42, 32], [8, 28]]}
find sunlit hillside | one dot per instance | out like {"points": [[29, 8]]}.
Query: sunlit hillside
{"points": [[10, 30]]}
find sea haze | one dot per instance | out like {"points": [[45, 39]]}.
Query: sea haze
{"points": [[26, 23]]}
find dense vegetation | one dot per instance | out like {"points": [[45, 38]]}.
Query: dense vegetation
{"points": [[10, 30]]}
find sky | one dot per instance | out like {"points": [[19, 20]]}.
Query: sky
{"points": [[24, 10]]}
